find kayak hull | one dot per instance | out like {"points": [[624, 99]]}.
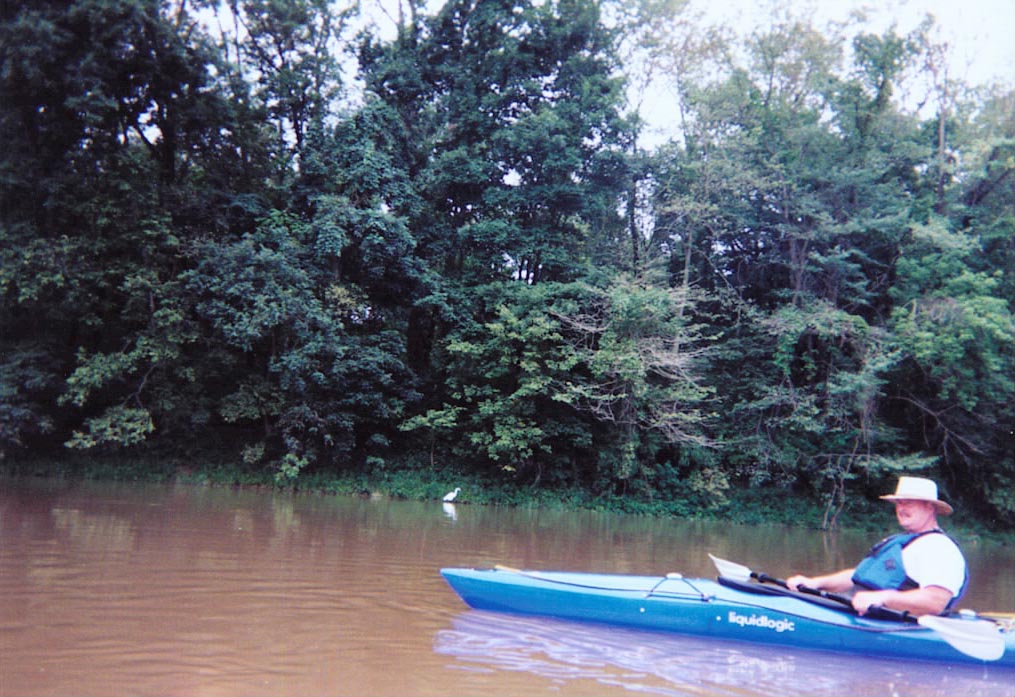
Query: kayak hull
{"points": [[702, 607]]}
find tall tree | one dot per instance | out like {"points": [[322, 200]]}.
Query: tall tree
{"points": [[292, 52], [509, 127], [514, 108], [639, 369], [797, 247], [119, 146], [953, 315]]}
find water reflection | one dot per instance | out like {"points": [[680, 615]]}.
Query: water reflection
{"points": [[664, 664], [450, 511]]}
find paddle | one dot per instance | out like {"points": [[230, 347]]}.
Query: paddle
{"points": [[739, 572], [977, 638]]}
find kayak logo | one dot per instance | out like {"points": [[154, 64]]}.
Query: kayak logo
{"points": [[762, 621]]}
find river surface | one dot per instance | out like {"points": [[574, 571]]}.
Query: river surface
{"points": [[114, 589]]}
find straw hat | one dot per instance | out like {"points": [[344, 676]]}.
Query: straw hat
{"points": [[918, 489]]}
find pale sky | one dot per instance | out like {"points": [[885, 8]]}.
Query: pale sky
{"points": [[980, 33]]}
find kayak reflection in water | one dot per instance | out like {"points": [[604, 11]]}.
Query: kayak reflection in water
{"points": [[920, 571]]}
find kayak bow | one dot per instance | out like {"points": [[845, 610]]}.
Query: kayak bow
{"points": [[725, 609]]}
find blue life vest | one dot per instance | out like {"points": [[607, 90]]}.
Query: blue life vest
{"points": [[882, 568]]}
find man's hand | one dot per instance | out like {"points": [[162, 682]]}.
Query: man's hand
{"points": [[863, 601], [794, 582]]}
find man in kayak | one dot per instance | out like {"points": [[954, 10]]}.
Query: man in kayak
{"points": [[920, 571]]}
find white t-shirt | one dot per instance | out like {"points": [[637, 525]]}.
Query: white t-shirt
{"points": [[934, 560]]}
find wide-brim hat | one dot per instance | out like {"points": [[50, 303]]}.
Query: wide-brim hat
{"points": [[918, 489]]}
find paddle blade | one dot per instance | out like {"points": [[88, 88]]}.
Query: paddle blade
{"points": [[976, 638], [730, 569], [506, 569]]}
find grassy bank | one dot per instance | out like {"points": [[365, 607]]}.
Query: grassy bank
{"points": [[748, 506]]}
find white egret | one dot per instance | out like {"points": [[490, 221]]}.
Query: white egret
{"points": [[452, 495]]}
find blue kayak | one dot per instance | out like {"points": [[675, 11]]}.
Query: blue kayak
{"points": [[725, 609]]}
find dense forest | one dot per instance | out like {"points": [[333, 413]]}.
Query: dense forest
{"points": [[275, 230]]}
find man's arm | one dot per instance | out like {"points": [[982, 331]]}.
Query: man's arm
{"points": [[839, 582], [929, 600]]}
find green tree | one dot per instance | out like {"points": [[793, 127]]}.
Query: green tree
{"points": [[504, 392], [290, 52], [512, 113], [312, 373], [105, 109], [508, 128], [956, 385], [639, 372], [788, 198]]}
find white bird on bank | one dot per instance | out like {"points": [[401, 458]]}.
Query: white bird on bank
{"points": [[452, 495]]}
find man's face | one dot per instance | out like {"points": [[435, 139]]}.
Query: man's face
{"points": [[916, 516]]}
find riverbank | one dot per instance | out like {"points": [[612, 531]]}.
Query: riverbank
{"points": [[740, 506]]}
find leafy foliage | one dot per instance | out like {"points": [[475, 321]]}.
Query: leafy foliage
{"points": [[641, 371], [504, 383]]}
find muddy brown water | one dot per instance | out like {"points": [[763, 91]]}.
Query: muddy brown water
{"points": [[119, 589]]}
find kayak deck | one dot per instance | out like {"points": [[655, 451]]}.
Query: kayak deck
{"points": [[703, 607]]}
